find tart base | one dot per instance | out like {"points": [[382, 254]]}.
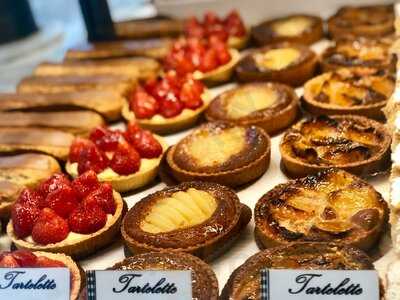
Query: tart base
{"points": [[238, 42], [83, 247]]}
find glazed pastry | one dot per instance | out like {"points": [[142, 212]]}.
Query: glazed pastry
{"points": [[356, 144], [19, 171], [112, 86], [167, 104], [286, 63], [224, 153], [208, 59], [136, 67], [359, 53], [244, 282], [358, 91], [301, 29], [363, 21], [204, 281], [49, 141], [271, 106], [155, 48], [126, 159], [331, 206], [200, 218], [230, 29], [76, 218], [38, 259], [75, 122]]}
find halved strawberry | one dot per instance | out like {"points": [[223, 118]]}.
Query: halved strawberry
{"points": [[53, 183], [62, 200], [25, 258], [85, 183], [126, 160], [145, 143], [143, 104], [8, 261], [45, 262], [234, 24], [31, 197], [76, 147], [104, 138], [87, 220], [193, 28], [102, 197], [171, 106], [209, 61], [49, 228], [190, 93], [92, 158], [23, 218]]}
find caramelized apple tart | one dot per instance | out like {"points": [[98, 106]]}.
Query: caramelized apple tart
{"points": [[220, 152], [302, 29], [200, 218], [358, 91], [286, 63], [271, 106], [244, 282], [359, 53], [331, 206], [356, 144], [366, 21]]}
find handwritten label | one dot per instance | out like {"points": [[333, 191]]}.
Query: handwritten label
{"points": [[319, 285], [144, 285], [35, 283]]}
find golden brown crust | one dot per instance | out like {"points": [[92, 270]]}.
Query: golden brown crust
{"points": [[264, 33], [245, 165], [86, 244], [356, 144], [279, 115], [244, 282], [331, 206], [363, 21], [151, 28], [357, 91], [294, 74], [206, 240]]}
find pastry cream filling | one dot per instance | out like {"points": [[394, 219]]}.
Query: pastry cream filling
{"points": [[248, 100], [277, 59], [182, 210], [292, 26], [395, 193], [209, 149]]}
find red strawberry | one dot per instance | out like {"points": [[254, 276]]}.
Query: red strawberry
{"points": [[25, 258], [45, 262], [145, 143], [223, 55], [234, 24], [63, 200], [85, 183], [23, 217], [190, 94], [105, 139], [171, 107], [193, 28], [87, 219], [143, 104], [126, 160], [53, 183], [92, 158], [209, 61], [49, 228], [76, 147], [8, 261], [102, 197], [30, 197], [210, 18]]}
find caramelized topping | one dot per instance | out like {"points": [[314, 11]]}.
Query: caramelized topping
{"points": [[292, 26], [277, 59]]}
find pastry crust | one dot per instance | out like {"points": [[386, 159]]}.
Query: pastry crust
{"points": [[265, 33], [239, 42], [242, 166], [158, 124], [149, 28], [244, 282], [356, 144], [366, 21], [279, 114], [82, 246], [295, 73], [357, 91], [230, 217], [331, 206]]}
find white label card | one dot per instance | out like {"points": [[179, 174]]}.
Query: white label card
{"points": [[35, 283], [319, 285], [144, 285]]}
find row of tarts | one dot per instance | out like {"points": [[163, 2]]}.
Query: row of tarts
{"points": [[77, 217]]}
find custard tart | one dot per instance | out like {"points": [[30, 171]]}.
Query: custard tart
{"points": [[218, 152], [356, 144], [271, 106], [245, 281], [359, 53], [358, 91], [373, 21], [286, 63], [200, 218], [330, 206], [298, 28]]}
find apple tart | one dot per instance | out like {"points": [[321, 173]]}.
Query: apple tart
{"points": [[356, 144], [220, 152], [357, 91], [200, 218], [331, 206], [271, 106]]}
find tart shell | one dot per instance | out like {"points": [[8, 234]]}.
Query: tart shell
{"points": [[237, 42], [83, 247]]}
